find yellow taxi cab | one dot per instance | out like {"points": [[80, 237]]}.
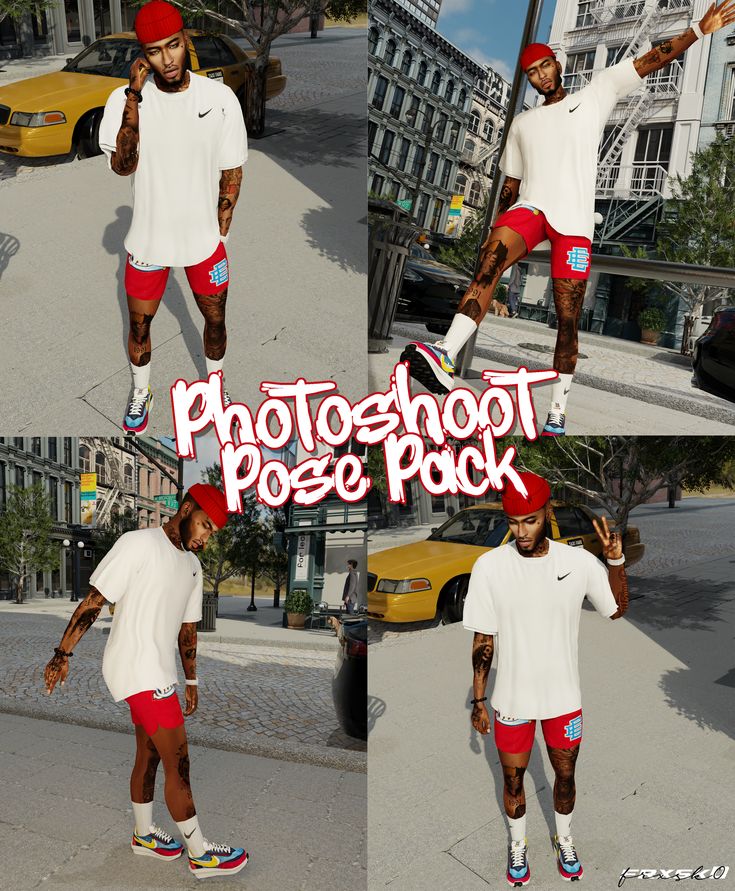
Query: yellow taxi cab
{"points": [[429, 578], [54, 113]]}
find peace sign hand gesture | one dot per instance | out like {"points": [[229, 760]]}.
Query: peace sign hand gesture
{"points": [[718, 17], [612, 543]]}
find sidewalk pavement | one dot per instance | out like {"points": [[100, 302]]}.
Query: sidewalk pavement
{"points": [[643, 385], [264, 690], [297, 253], [67, 817], [654, 772]]}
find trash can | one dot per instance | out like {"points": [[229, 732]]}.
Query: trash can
{"points": [[390, 240], [209, 612]]}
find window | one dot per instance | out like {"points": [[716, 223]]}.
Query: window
{"points": [[446, 174], [403, 153], [67, 451], [128, 477], [433, 167], [475, 191], [3, 486], [36, 446], [727, 109], [418, 160], [488, 130], [100, 468], [68, 503], [85, 459], [373, 38], [449, 92], [423, 208], [413, 112], [428, 119], [377, 186], [483, 528], [651, 160], [52, 452], [390, 52], [572, 521], [462, 100], [406, 62], [580, 62], [386, 147], [469, 147], [436, 82], [396, 103], [209, 52], [19, 442], [460, 184], [20, 477], [584, 15], [454, 136], [381, 88], [53, 491], [37, 478], [614, 55], [436, 215], [421, 77], [372, 130], [440, 131]]}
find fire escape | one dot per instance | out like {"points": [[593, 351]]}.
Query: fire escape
{"points": [[634, 192], [113, 479]]}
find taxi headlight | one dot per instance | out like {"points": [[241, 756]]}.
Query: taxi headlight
{"points": [[37, 118], [403, 586]]}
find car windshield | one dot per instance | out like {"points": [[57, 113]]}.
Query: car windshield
{"points": [[421, 252], [484, 528], [110, 58]]}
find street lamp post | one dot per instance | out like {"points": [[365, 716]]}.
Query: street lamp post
{"points": [[76, 571]]}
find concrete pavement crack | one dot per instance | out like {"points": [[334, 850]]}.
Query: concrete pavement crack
{"points": [[468, 868], [275, 336]]}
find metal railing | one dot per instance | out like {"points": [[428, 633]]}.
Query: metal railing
{"points": [[639, 180], [576, 80]]}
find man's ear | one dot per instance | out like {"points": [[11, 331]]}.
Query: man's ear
{"points": [[548, 512]]}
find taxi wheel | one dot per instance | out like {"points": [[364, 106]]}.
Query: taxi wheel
{"points": [[452, 599], [87, 135]]}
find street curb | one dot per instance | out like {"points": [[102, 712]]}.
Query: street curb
{"points": [[671, 399], [246, 743], [323, 646]]}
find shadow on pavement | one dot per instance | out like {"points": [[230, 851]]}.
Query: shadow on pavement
{"points": [[9, 247], [376, 709]]}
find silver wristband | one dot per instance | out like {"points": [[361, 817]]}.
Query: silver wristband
{"points": [[618, 561], [697, 30], [191, 683]]}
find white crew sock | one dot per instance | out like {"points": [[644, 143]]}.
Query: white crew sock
{"points": [[141, 375], [517, 828], [560, 391], [192, 836], [143, 814], [563, 824], [460, 331], [214, 365]]}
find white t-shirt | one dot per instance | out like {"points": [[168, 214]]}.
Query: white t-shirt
{"points": [[155, 588], [553, 148], [186, 140], [532, 605]]}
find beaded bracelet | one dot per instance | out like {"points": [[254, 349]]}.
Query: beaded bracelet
{"points": [[60, 652]]}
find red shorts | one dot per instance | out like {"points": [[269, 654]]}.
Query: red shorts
{"points": [[152, 709], [563, 732], [570, 254], [146, 282]]}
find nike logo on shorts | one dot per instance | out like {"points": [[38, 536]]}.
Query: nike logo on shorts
{"points": [[570, 110], [204, 114], [560, 578]]}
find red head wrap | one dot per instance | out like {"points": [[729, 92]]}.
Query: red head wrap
{"points": [[515, 504], [211, 501], [533, 52], [157, 20]]}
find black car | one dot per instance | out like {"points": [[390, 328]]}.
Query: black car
{"points": [[349, 684], [431, 291], [714, 353]]}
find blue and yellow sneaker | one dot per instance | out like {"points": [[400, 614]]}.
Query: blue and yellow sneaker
{"points": [[136, 416], [218, 860], [157, 844], [430, 365], [570, 869], [519, 873], [554, 425]]}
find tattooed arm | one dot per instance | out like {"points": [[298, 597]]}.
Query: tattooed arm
{"points": [[229, 191], [482, 658], [81, 621], [715, 18], [508, 194], [612, 549], [619, 586], [188, 653], [124, 160]]}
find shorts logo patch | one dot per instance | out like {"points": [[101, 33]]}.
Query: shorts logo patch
{"points": [[142, 266], [510, 722], [218, 274], [578, 259], [164, 693], [573, 729]]}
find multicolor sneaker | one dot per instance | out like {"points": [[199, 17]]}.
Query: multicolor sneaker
{"points": [[554, 425], [570, 869], [157, 844], [136, 416], [226, 399], [217, 860], [430, 365], [519, 873]]}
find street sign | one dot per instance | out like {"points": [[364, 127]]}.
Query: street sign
{"points": [[405, 203], [168, 500]]}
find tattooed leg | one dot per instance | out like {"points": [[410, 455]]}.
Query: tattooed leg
{"points": [[213, 307], [568, 299], [143, 777], [172, 747], [564, 761], [502, 248], [140, 313], [514, 795]]}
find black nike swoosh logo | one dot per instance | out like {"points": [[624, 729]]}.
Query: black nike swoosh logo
{"points": [[570, 110], [560, 578], [204, 114], [566, 391], [193, 830]]}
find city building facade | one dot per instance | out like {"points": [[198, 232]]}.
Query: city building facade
{"points": [[420, 90], [718, 111], [156, 501], [112, 461]]}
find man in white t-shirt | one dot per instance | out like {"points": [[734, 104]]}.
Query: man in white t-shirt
{"points": [[153, 578], [550, 166], [524, 601], [183, 136]]}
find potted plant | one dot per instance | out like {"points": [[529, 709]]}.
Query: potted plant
{"points": [[298, 606], [651, 321]]}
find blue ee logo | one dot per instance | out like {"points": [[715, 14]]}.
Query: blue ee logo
{"points": [[573, 730], [218, 275], [578, 259]]}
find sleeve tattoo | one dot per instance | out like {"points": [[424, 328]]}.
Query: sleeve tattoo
{"points": [[82, 619], [665, 52], [619, 586], [124, 159], [188, 649], [229, 191]]}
